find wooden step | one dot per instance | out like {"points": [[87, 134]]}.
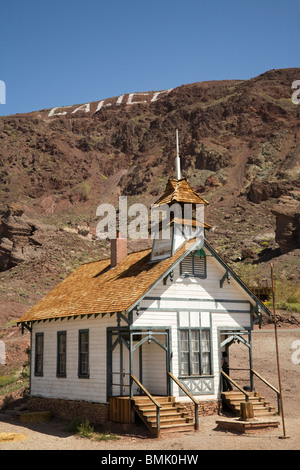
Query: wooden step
{"points": [[254, 400], [160, 400], [185, 427], [233, 393], [265, 411], [261, 407], [172, 415], [150, 406], [258, 410], [166, 420], [166, 413]]}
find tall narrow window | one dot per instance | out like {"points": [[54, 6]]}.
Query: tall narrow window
{"points": [[39, 354], [205, 352], [61, 354], [184, 352], [195, 352], [83, 359]]}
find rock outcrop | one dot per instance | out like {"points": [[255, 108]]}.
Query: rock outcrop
{"points": [[287, 214], [17, 238]]}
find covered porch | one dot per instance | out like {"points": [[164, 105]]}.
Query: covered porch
{"points": [[137, 359], [140, 382]]}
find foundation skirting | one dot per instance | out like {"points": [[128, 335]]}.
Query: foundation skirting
{"points": [[96, 413]]}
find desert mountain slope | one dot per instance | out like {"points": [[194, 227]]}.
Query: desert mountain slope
{"points": [[239, 145]]}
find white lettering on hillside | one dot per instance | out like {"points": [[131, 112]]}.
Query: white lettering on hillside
{"points": [[84, 107], [136, 102], [53, 113], [133, 98]]}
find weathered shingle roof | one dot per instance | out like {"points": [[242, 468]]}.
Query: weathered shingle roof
{"points": [[179, 191], [97, 288]]}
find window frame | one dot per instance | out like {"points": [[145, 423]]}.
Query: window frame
{"points": [[83, 374], [39, 356], [200, 352], [59, 373]]}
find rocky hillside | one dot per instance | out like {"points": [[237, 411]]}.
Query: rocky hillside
{"points": [[239, 145]]}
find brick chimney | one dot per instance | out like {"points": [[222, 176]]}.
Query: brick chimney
{"points": [[118, 250]]}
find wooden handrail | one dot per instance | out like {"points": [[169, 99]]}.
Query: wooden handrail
{"points": [[182, 387], [262, 379], [190, 396], [158, 406], [265, 381], [236, 385], [272, 387], [145, 390]]}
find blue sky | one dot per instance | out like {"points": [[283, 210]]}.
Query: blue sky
{"points": [[64, 52]]}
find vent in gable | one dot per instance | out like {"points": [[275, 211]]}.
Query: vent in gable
{"points": [[187, 266], [199, 266], [193, 266]]}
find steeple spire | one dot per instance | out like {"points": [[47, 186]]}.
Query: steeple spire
{"points": [[178, 172]]}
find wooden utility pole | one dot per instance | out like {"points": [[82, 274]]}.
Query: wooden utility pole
{"points": [[277, 354]]}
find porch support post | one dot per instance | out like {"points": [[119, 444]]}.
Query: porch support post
{"points": [[130, 363], [109, 364], [121, 368], [250, 361]]}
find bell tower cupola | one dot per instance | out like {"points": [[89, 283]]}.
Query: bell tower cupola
{"points": [[179, 216]]}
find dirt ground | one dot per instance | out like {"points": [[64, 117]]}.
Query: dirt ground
{"points": [[53, 435]]}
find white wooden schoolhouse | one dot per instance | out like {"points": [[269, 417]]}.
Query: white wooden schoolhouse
{"points": [[142, 334]]}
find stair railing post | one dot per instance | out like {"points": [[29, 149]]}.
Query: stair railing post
{"points": [[158, 420], [196, 417], [130, 366], [180, 385], [279, 404], [133, 378]]}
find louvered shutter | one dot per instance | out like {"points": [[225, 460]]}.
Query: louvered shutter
{"points": [[199, 266], [187, 266]]}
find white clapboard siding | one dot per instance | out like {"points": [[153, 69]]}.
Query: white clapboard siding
{"points": [[72, 387], [196, 287]]}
